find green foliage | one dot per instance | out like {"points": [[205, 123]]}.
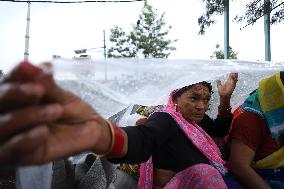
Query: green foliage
{"points": [[147, 38], [213, 7], [254, 10], [123, 46], [219, 53]]}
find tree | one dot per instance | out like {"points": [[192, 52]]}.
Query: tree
{"points": [[254, 10], [147, 38], [123, 46], [219, 53]]}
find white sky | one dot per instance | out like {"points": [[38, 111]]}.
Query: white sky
{"points": [[61, 28]]}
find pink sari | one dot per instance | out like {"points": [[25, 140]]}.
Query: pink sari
{"points": [[189, 178]]}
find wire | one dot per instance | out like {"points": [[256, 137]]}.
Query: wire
{"points": [[261, 16], [88, 1]]}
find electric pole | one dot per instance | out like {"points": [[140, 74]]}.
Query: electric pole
{"points": [[267, 30], [105, 54], [27, 37], [226, 30]]}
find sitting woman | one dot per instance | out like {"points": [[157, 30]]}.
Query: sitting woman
{"points": [[178, 153], [216, 128], [257, 134], [178, 147]]}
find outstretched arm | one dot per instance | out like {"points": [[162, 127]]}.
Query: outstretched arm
{"points": [[39, 121]]}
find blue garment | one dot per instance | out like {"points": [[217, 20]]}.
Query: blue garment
{"points": [[251, 104], [274, 119], [274, 177], [232, 183]]}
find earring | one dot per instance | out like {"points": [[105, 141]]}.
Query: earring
{"points": [[175, 107]]}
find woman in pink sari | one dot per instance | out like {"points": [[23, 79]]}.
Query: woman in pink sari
{"points": [[205, 168], [175, 142]]}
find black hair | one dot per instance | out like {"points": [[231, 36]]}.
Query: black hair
{"points": [[282, 76], [184, 89]]}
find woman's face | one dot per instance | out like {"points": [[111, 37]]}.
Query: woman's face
{"points": [[193, 103]]}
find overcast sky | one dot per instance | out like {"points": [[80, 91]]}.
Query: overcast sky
{"points": [[61, 28]]}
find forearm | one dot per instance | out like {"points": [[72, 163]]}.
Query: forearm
{"points": [[224, 108], [141, 141], [248, 177], [140, 145], [225, 102]]}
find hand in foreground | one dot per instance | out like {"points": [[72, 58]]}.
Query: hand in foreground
{"points": [[226, 90], [40, 122]]}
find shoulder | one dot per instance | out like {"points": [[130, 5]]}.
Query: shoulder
{"points": [[206, 121], [161, 119], [161, 115], [248, 119], [249, 128]]}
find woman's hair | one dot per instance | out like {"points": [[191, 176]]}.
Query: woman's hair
{"points": [[184, 89]]}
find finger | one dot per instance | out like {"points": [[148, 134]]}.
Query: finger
{"points": [[54, 92], [218, 82], [20, 148], [26, 72], [42, 74], [26, 118], [234, 76], [14, 95], [46, 66], [23, 72]]}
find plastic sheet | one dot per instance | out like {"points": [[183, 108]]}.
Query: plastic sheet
{"points": [[115, 84]]}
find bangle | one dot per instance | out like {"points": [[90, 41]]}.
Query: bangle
{"points": [[224, 111], [117, 141], [117, 147], [112, 139]]}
